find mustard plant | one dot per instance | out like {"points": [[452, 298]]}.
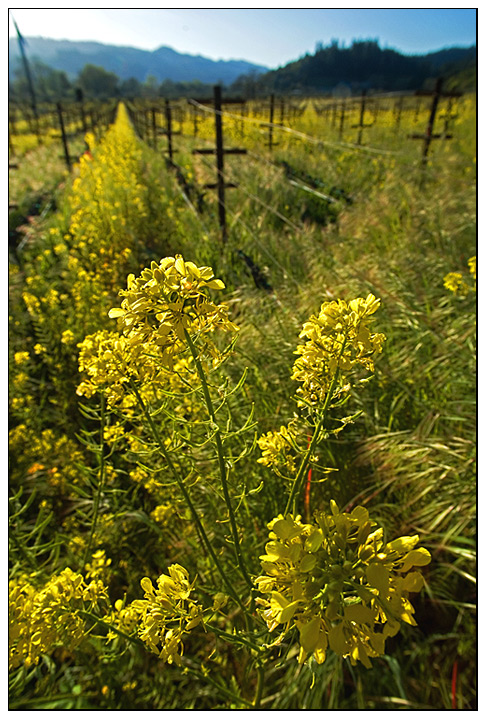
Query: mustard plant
{"points": [[334, 579]]}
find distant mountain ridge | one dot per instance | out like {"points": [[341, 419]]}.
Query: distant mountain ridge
{"points": [[365, 65], [362, 65], [126, 62]]}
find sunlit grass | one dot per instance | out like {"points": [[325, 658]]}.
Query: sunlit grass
{"points": [[320, 219]]}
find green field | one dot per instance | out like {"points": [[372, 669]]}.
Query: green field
{"points": [[244, 483]]}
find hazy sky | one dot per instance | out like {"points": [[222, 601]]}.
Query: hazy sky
{"points": [[270, 37]]}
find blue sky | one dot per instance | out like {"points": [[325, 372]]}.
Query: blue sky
{"points": [[270, 37]]}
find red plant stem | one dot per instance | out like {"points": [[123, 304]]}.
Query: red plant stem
{"points": [[454, 686]]}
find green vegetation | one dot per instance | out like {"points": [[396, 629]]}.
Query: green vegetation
{"points": [[166, 73], [244, 482]]}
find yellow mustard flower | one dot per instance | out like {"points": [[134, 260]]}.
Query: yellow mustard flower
{"points": [[338, 341], [472, 266], [42, 619], [277, 449], [21, 358], [338, 583], [165, 615]]}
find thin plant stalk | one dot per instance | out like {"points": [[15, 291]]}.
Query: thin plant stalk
{"points": [[221, 460], [260, 687], [298, 480], [187, 498], [101, 479]]}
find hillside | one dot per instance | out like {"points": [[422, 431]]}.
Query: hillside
{"points": [[126, 62], [365, 65]]}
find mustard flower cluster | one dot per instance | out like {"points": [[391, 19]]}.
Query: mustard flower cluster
{"points": [[108, 360], [278, 449], [165, 615], [457, 283], [472, 266], [41, 620], [167, 300], [162, 514], [109, 201], [98, 568], [338, 340], [338, 583]]}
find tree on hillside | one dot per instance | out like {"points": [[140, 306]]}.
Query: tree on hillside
{"points": [[131, 88], [50, 85], [150, 88], [96, 82], [195, 89], [363, 65]]}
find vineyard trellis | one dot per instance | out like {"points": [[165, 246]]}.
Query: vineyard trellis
{"points": [[430, 135], [124, 209], [71, 120]]}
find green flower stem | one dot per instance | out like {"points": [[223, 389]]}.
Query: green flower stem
{"points": [[26, 556], [108, 626], [101, 480], [187, 498], [221, 460], [139, 644], [235, 639], [260, 687], [298, 480], [206, 677]]}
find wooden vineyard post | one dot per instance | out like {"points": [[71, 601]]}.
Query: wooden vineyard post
{"points": [[147, 125], [79, 100], [429, 135], [169, 130], [398, 111], [220, 152], [243, 113], [195, 121], [361, 125], [12, 166], [140, 123], [180, 116], [448, 115], [83, 118], [342, 120], [219, 161], [270, 124], [333, 114], [271, 121], [11, 148], [63, 135], [154, 129]]}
